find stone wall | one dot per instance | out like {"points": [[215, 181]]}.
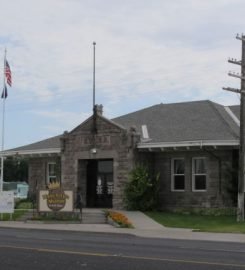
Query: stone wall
{"points": [[109, 142], [216, 194], [38, 172]]}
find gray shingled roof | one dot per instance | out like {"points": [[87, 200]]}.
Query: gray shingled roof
{"points": [[50, 143], [188, 121]]}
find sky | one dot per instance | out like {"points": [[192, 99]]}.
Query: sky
{"points": [[147, 52]]}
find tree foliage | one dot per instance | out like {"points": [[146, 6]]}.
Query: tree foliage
{"points": [[15, 169], [142, 190]]}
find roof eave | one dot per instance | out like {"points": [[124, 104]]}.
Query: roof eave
{"points": [[200, 143], [36, 152]]}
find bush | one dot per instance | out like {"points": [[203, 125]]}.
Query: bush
{"points": [[23, 204], [141, 191]]}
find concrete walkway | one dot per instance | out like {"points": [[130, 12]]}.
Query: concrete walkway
{"points": [[143, 227], [146, 227]]}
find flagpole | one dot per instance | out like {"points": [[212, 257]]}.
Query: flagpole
{"points": [[94, 109], [3, 123], [94, 43]]}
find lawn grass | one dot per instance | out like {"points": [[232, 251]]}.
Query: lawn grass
{"points": [[222, 224], [15, 216]]}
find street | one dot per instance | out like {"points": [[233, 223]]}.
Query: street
{"points": [[38, 249]]}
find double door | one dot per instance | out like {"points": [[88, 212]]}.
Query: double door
{"points": [[99, 183]]}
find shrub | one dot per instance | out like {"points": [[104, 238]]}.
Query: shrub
{"points": [[141, 191], [23, 204]]}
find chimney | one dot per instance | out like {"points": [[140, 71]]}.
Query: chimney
{"points": [[99, 109]]}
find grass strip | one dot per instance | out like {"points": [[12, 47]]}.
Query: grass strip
{"points": [[221, 224]]}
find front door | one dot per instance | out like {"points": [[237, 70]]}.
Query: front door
{"points": [[99, 183]]}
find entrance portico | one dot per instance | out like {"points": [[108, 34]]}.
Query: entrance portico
{"points": [[97, 162]]}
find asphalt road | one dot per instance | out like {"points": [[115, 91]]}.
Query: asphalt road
{"points": [[36, 249]]}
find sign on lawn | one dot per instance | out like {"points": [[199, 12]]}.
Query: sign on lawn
{"points": [[7, 202], [55, 199]]}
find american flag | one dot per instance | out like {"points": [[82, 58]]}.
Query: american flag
{"points": [[8, 74]]}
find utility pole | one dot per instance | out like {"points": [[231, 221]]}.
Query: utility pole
{"points": [[241, 178]]}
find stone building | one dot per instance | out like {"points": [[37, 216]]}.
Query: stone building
{"points": [[193, 145]]}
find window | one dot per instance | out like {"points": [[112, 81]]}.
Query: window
{"points": [[199, 174], [51, 172], [178, 174]]}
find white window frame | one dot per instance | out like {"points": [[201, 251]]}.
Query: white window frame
{"points": [[173, 175], [194, 174], [49, 177]]}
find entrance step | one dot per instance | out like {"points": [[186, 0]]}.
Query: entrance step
{"points": [[93, 216]]}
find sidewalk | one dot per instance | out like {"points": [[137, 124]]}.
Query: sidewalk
{"points": [[146, 227], [143, 227]]}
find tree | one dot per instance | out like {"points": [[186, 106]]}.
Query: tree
{"points": [[142, 190], [15, 169]]}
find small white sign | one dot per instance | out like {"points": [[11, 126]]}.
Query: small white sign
{"points": [[7, 202]]}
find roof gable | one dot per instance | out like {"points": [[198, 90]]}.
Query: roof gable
{"points": [[87, 125]]}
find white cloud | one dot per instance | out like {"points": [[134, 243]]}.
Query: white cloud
{"points": [[147, 52], [64, 119]]}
